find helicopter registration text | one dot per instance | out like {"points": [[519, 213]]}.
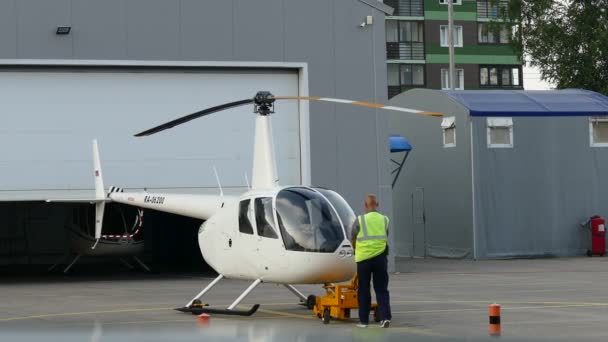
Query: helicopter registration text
{"points": [[154, 199]]}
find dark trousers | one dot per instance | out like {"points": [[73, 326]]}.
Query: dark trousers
{"points": [[376, 268]]}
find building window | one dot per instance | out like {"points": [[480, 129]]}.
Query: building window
{"points": [[598, 132], [402, 77], [457, 35], [448, 125], [488, 35], [445, 79], [500, 76], [500, 132], [408, 8], [491, 9], [404, 39], [455, 2]]}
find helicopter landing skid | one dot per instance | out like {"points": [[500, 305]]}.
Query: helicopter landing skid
{"points": [[197, 310], [196, 307]]}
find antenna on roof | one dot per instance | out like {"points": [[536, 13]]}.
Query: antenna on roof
{"points": [[217, 178]]}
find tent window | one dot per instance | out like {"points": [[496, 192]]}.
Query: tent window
{"points": [[500, 132], [448, 125], [598, 132]]}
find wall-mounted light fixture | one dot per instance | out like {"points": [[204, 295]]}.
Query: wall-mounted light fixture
{"points": [[369, 20], [63, 30]]}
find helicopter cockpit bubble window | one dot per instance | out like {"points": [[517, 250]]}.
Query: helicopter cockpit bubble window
{"points": [[307, 221], [347, 215], [264, 218], [245, 217]]}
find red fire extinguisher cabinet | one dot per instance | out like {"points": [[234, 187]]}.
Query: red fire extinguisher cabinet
{"points": [[597, 225]]}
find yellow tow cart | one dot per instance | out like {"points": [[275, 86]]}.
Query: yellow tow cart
{"points": [[338, 301]]}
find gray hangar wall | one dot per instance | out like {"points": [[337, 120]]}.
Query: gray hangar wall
{"points": [[433, 197], [348, 145], [530, 199]]}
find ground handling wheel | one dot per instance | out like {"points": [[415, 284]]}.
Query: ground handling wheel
{"points": [[311, 301], [326, 316]]}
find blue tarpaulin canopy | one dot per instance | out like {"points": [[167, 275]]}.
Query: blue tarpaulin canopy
{"points": [[566, 102], [398, 143]]}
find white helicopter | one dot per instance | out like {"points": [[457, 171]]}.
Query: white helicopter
{"points": [[274, 234]]}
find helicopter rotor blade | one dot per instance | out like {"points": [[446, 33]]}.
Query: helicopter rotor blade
{"points": [[193, 116], [360, 103], [268, 97]]}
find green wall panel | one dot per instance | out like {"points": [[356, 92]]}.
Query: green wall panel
{"points": [[463, 16], [472, 50], [467, 6], [474, 59]]}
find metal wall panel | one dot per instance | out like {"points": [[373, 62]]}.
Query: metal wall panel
{"points": [[99, 29], [315, 19], [153, 29], [356, 130], [206, 30], [259, 30], [37, 22], [8, 29]]}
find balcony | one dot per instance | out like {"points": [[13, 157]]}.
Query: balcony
{"points": [[486, 10], [407, 8], [396, 90], [405, 50]]}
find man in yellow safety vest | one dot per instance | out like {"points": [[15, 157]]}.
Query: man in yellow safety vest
{"points": [[371, 252]]}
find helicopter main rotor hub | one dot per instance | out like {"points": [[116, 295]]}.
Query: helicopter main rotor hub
{"points": [[263, 103]]}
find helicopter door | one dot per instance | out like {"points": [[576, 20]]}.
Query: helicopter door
{"points": [[246, 244], [270, 247]]}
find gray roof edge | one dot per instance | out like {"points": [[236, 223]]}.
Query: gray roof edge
{"points": [[455, 100], [379, 6], [442, 93]]}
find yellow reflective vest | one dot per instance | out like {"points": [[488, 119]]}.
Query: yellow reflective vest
{"points": [[372, 236]]}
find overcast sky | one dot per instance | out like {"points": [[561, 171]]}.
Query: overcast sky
{"points": [[532, 80]]}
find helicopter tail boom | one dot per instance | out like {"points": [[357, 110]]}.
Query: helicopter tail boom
{"points": [[191, 205]]}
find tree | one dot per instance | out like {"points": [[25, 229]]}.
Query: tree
{"points": [[567, 40]]}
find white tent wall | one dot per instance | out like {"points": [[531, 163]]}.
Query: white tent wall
{"points": [[433, 197], [530, 199]]}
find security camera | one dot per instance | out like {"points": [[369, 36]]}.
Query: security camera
{"points": [[363, 24]]}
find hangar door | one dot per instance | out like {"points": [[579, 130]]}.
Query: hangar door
{"points": [[49, 118]]}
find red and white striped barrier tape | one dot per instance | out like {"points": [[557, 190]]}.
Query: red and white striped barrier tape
{"points": [[139, 222]]}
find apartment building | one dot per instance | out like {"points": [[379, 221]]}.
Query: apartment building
{"points": [[417, 46]]}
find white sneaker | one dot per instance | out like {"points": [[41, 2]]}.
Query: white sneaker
{"points": [[361, 325], [385, 324]]}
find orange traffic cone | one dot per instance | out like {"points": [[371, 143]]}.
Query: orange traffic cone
{"points": [[494, 319], [203, 319]]}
